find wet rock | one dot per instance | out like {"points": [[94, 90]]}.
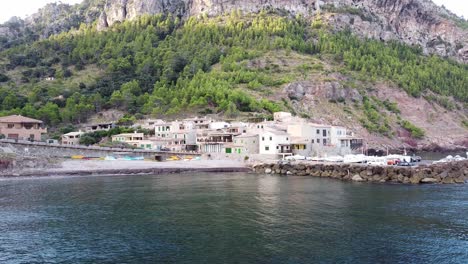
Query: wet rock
{"points": [[429, 180], [357, 178]]}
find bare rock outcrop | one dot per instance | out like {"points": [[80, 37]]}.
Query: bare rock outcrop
{"points": [[330, 90], [415, 22]]}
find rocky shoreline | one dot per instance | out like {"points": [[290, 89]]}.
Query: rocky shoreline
{"points": [[446, 173]]}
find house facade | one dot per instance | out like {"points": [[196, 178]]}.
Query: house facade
{"points": [[245, 144], [72, 138], [22, 128], [134, 139], [274, 142]]}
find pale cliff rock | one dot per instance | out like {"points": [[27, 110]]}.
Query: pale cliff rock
{"points": [[415, 22]]}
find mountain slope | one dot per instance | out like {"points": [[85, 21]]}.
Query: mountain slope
{"points": [[240, 65]]}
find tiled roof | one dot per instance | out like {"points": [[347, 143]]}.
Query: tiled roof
{"points": [[19, 119]]}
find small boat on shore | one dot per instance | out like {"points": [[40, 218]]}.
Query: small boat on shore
{"points": [[358, 158]]}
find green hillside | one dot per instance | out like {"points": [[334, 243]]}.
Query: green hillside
{"points": [[161, 65]]}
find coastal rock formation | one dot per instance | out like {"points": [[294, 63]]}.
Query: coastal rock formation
{"points": [[415, 22], [446, 173], [329, 90]]}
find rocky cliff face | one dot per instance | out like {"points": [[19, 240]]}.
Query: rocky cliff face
{"points": [[51, 19], [415, 22]]}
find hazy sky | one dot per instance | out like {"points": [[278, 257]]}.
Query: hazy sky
{"points": [[22, 8]]}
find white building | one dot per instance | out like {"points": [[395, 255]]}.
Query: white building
{"points": [[281, 116], [218, 125], [274, 142]]}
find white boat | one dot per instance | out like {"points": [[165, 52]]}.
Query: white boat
{"points": [[378, 161], [110, 158], [295, 157], [359, 158], [334, 159], [450, 158], [314, 158]]}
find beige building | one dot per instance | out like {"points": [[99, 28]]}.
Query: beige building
{"points": [[72, 138], [135, 139], [22, 128], [244, 144]]}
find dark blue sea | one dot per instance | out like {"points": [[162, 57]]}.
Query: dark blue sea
{"points": [[229, 218]]}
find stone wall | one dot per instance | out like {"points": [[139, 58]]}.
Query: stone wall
{"points": [[447, 173], [41, 149]]}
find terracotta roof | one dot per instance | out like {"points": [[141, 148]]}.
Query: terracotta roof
{"points": [[18, 119]]}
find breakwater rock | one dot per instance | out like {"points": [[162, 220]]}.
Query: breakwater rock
{"points": [[446, 173]]}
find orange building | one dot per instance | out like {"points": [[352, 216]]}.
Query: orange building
{"points": [[22, 128]]}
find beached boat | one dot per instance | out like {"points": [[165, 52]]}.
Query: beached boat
{"points": [[358, 158], [378, 161], [334, 159], [173, 158]]}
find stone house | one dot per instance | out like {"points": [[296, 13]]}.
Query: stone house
{"points": [[72, 138], [21, 128]]}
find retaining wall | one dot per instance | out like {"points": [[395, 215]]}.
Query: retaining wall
{"points": [[41, 149]]}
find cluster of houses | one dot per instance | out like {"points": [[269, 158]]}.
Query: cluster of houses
{"points": [[285, 135]]}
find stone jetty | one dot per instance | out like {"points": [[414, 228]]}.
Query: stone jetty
{"points": [[446, 173]]}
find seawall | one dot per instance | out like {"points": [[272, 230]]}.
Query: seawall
{"points": [[41, 149], [446, 173]]}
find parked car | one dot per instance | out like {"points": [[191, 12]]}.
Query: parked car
{"points": [[415, 159], [393, 162], [406, 164]]}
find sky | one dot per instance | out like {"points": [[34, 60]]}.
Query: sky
{"points": [[22, 8]]}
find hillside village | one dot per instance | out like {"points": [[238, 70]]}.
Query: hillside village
{"points": [[285, 135]]}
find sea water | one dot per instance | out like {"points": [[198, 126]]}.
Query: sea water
{"points": [[229, 218]]}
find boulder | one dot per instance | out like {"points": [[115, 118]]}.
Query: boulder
{"points": [[268, 170], [357, 178], [429, 180]]}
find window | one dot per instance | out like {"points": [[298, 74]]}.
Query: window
{"points": [[277, 147], [318, 140], [313, 141], [263, 138], [324, 133], [287, 139], [267, 148], [11, 125], [271, 138], [324, 141], [318, 131]]}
